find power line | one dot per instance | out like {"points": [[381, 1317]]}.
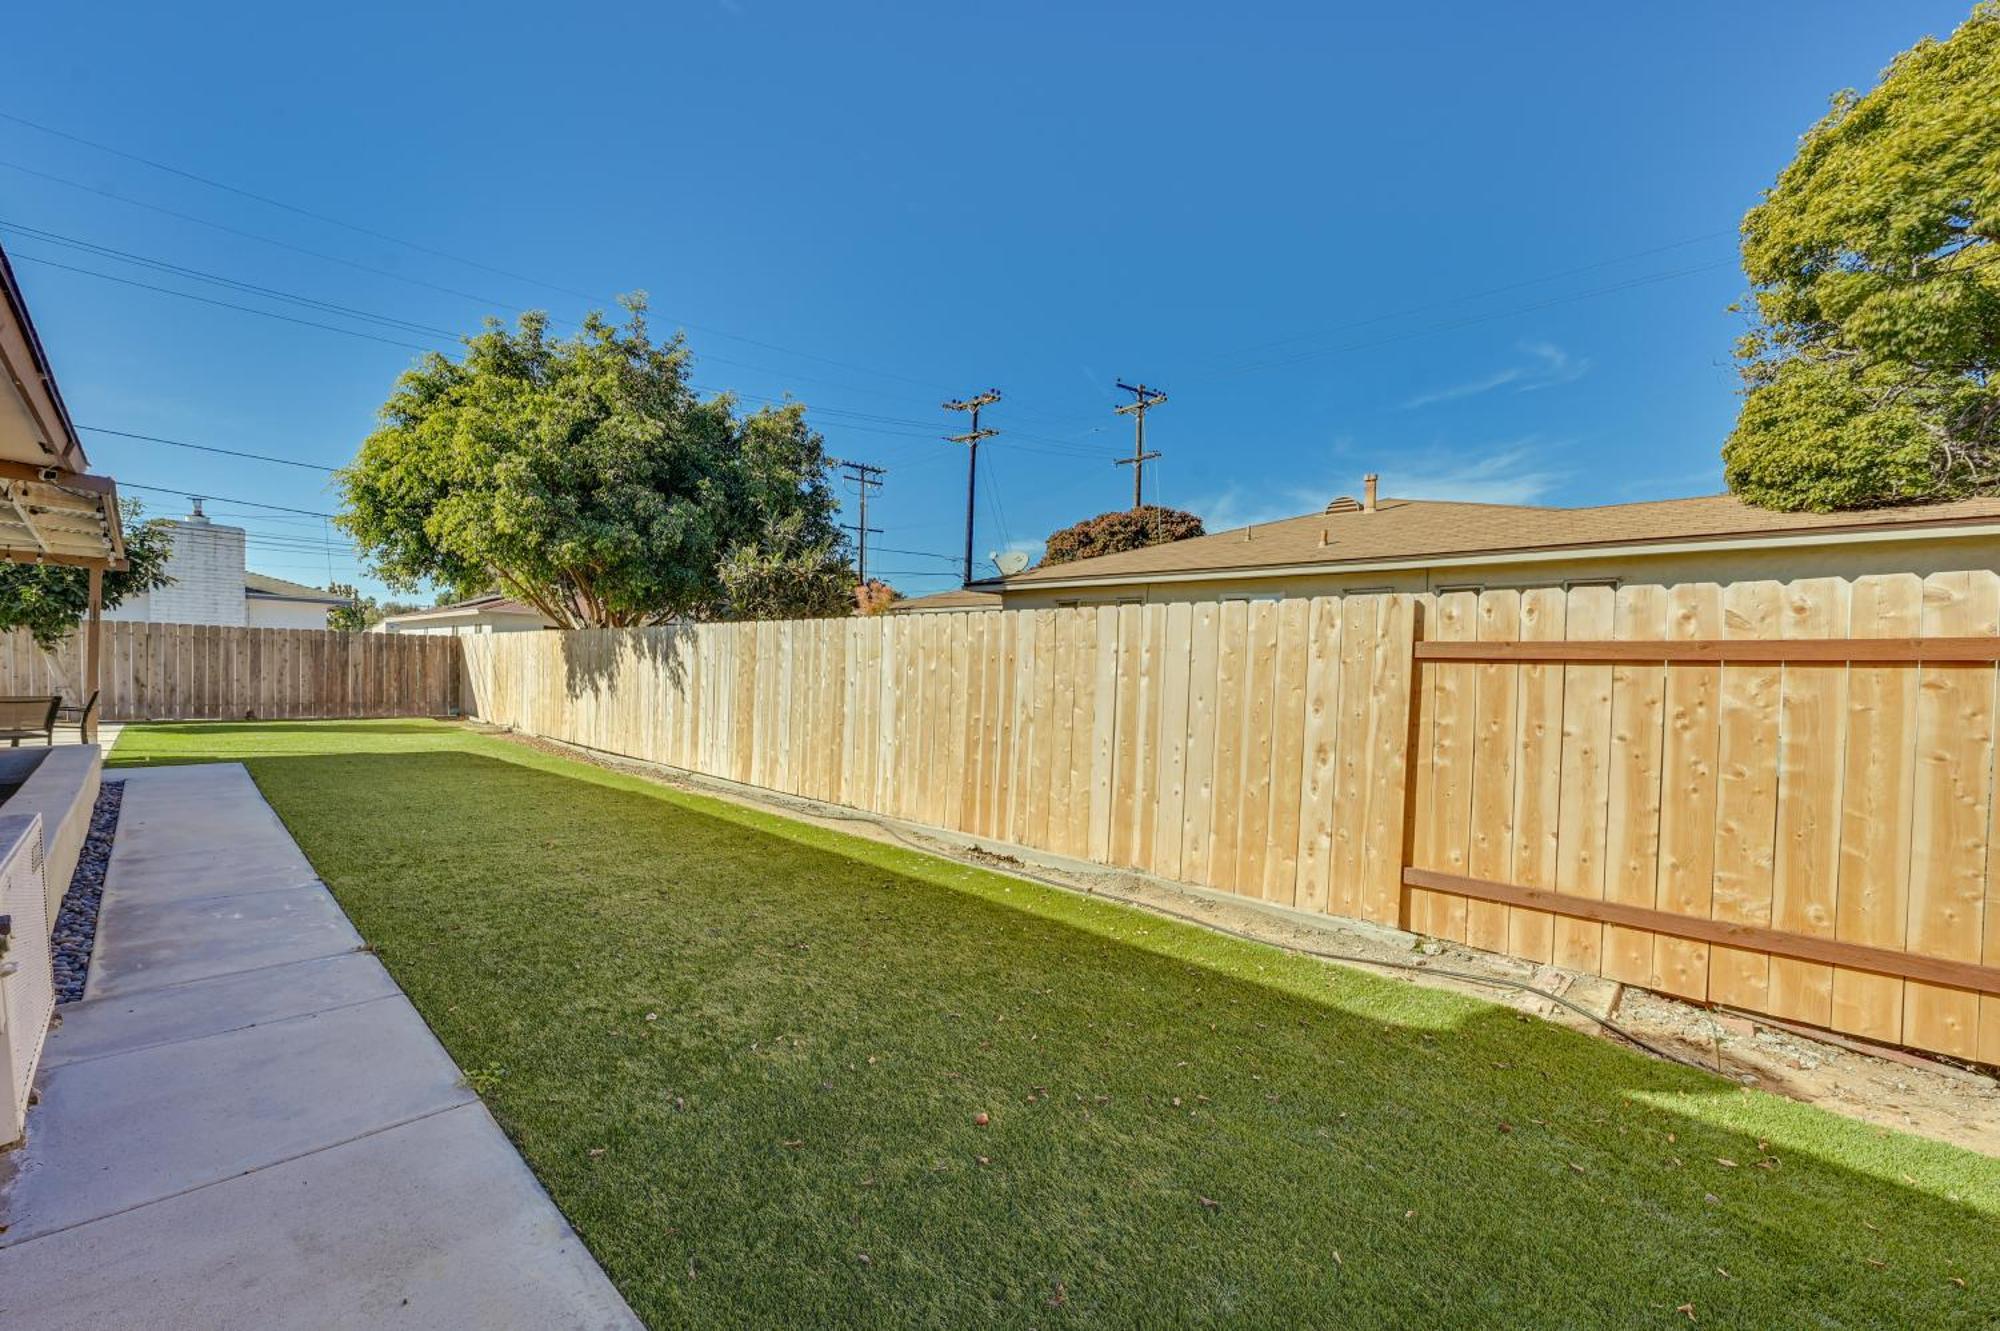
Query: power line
{"points": [[993, 502], [380, 235], [209, 300], [917, 429], [240, 191], [1144, 399], [922, 554], [190, 491], [252, 235], [208, 448], [865, 478], [289, 207], [218, 279], [971, 440]]}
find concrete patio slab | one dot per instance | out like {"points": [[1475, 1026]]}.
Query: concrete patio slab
{"points": [[197, 872], [169, 942], [212, 1006], [122, 1131], [232, 814], [436, 1223], [246, 1125]]}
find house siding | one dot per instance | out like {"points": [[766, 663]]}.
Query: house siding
{"points": [[1781, 563]]}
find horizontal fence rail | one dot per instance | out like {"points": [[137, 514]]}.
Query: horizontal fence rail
{"points": [[1719, 650], [1780, 797], [183, 672]]}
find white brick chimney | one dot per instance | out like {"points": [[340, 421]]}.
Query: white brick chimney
{"points": [[207, 568]]}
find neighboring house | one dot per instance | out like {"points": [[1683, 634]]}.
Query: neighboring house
{"points": [[212, 586], [1424, 545], [975, 596], [481, 614]]}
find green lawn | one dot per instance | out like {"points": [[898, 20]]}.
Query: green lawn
{"points": [[746, 1055]]}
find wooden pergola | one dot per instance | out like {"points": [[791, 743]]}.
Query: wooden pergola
{"points": [[52, 509]]}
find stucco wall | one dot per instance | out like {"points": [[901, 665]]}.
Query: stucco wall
{"points": [[269, 614]]}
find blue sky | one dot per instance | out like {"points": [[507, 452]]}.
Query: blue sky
{"points": [[1484, 250]]}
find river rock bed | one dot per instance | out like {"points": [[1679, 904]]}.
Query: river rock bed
{"points": [[75, 934]]}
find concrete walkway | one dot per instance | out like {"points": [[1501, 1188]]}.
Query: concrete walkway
{"points": [[245, 1124]]}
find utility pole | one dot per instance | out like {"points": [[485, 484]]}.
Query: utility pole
{"points": [[865, 479], [1144, 400], [971, 440]]}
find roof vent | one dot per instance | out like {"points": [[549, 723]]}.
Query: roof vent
{"points": [[1344, 504]]}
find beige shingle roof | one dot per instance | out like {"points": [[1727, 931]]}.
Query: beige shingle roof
{"points": [[1405, 530], [490, 603], [263, 584], [958, 598]]}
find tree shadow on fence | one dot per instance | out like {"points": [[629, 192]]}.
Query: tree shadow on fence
{"points": [[598, 660], [1190, 1124]]}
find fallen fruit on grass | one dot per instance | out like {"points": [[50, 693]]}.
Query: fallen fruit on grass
{"points": [[981, 1119]]}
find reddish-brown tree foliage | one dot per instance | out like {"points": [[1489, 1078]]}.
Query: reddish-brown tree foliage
{"points": [[1126, 529]]}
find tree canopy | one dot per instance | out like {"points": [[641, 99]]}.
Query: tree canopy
{"points": [[1125, 529], [875, 597], [587, 478], [50, 600], [361, 613], [1875, 263]]}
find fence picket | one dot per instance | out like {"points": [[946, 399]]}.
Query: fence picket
{"points": [[1294, 751]]}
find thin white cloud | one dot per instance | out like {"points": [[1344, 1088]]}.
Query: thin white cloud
{"points": [[1226, 510], [1546, 366], [1552, 366], [1516, 472]]}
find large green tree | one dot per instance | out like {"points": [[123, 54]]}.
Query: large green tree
{"points": [[587, 477], [1875, 262], [51, 600]]}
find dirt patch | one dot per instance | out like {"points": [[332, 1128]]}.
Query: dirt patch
{"points": [[1892, 1089]]}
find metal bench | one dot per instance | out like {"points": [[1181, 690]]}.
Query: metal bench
{"points": [[25, 718], [85, 717]]}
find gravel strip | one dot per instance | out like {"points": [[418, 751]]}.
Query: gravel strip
{"points": [[76, 923]]}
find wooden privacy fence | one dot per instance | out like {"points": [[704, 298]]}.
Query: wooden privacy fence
{"points": [[173, 672], [1777, 797], [1766, 795]]}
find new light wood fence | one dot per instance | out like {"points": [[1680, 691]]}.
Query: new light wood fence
{"points": [[175, 672], [1779, 817]]}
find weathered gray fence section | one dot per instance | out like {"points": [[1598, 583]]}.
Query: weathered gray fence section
{"points": [[185, 672]]}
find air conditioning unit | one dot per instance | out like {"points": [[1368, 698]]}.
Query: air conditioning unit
{"points": [[27, 981]]}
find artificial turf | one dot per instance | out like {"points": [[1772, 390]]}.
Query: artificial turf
{"points": [[746, 1057]]}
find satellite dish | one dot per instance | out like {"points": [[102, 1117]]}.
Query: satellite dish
{"points": [[1010, 563]]}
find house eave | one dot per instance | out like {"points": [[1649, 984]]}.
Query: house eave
{"points": [[1919, 531]]}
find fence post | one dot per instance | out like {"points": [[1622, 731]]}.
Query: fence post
{"points": [[1416, 759]]}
